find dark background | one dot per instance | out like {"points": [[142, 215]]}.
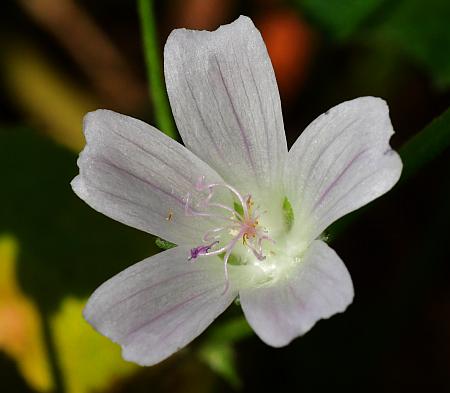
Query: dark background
{"points": [[60, 59]]}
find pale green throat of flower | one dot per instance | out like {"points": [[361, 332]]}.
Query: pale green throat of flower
{"points": [[240, 233]]}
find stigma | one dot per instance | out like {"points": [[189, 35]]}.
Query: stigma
{"points": [[240, 224]]}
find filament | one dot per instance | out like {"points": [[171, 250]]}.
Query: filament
{"points": [[241, 226]]}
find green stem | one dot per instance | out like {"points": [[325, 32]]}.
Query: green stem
{"points": [[55, 368], [157, 91]]}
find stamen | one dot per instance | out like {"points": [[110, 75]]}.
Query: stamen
{"points": [[201, 186], [208, 235], [188, 211], [225, 261], [201, 250], [232, 211], [241, 226]]}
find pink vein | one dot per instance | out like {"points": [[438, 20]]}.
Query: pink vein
{"points": [[335, 181], [238, 120], [166, 312], [167, 280], [123, 170]]}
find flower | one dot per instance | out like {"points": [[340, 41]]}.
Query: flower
{"points": [[245, 213]]}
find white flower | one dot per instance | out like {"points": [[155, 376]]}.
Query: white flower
{"points": [[245, 213]]}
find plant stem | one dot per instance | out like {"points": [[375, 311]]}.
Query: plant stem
{"points": [[156, 88], [55, 368]]}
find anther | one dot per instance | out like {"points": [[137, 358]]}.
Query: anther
{"points": [[201, 250], [243, 226]]}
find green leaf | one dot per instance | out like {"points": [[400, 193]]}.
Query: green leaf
{"points": [[229, 332], [217, 349], [416, 29], [421, 30], [340, 18], [89, 361], [426, 145], [222, 360]]}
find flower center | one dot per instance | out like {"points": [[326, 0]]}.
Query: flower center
{"points": [[240, 223]]}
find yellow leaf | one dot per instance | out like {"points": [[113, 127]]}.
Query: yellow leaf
{"points": [[52, 101], [21, 326], [89, 362]]}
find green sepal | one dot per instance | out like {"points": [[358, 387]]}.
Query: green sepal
{"points": [[164, 244], [238, 208], [288, 213]]}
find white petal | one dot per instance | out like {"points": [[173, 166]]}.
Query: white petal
{"points": [[135, 174], [317, 287], [159, 305], [225, 101], [339, 163]]}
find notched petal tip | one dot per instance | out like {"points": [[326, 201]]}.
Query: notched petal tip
{"points": [[243, 22], [344, 161], [222, 83]]}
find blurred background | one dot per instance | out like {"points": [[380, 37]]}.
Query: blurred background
{"points": [[61, 59]]}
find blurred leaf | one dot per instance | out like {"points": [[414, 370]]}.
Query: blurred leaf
{"points": [[421, 30], [340, 18], [221, 359], [217, 349], [50, 99], [415, 28], [21, 326], [89, 361], [426, 145], [78, 33], [229, 332], [66, 247]]}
